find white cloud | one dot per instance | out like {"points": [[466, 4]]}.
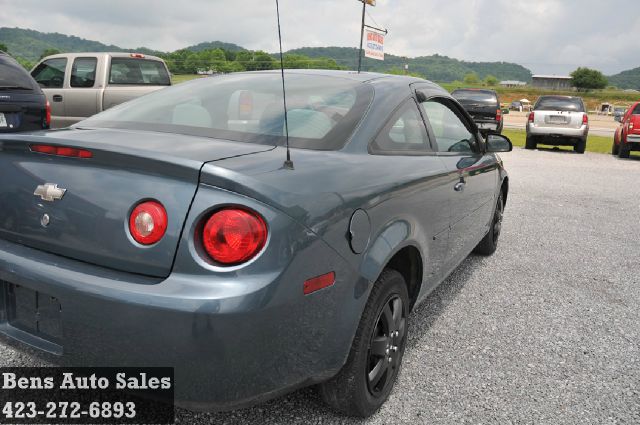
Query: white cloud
{"points": [[547, 36]]}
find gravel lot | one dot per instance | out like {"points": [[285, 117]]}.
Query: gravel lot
{"points": [[545, 331]]}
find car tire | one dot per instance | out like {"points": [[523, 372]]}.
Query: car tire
{"points": [[624, 150], [489, 243], [352, 392], [580, 146], [615, 149], [530, 143]]}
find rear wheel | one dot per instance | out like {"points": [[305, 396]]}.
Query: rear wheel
{"points": [[366, 380], [489, 244], [580, 146], [624, 150], [530, 143], [615, 149]]}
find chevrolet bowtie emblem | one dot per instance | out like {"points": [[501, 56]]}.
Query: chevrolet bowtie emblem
{"points": [[49, 192]]}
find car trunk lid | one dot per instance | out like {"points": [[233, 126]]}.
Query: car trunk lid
{"points": [[89, 222], [564, 119]]}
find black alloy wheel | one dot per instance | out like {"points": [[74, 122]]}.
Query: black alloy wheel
{"points": [[383, 353]]}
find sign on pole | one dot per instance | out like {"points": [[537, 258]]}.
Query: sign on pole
{"points": [[374, 48]]}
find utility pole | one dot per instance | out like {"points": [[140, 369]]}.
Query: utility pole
{"points": [[364, 9]]}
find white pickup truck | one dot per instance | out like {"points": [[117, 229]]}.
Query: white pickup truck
{"points": [[79, 85]]}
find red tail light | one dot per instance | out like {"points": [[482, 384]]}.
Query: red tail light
{"points": [[47, 117], [585, 119], [532, 116], [233, 236], [61, 151], [148, 222], [499, 115]]}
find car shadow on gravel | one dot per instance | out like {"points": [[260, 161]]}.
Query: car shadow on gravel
{"points": [[436, 303], [305, 406], [558, 150]]}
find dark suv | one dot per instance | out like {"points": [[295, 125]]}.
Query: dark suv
{"points": [[484, 108], [23, 105]]}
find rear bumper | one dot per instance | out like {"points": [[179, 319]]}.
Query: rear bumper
{"points": [[633, 138], [556, 131], [488, 125], [232, 343]]}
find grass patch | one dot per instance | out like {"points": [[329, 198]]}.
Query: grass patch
{"points": [[177, 79], [597, 144]]}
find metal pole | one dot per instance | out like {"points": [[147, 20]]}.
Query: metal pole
{"points": [[364, 7]]}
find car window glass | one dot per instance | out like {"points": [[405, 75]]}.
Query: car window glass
{"points": [[556, 103], [322, 111], [50, 73], [405, 132], [12, 74], [481, 97], [138, 71], [636, 110], [83, 72], [450, 132]]}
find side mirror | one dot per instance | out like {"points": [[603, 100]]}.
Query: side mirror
{"points": [[498, 143]]}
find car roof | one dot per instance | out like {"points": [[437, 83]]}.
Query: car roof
{"points": [[103, 54], [475, 89]]}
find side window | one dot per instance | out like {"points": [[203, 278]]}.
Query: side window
{"points": [[83, 72], [50, 73], [404, 134], [450, 132]]}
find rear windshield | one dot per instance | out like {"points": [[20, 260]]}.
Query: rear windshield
{"points": [[322, 111], [567, 104], [636, 110], [475, 96], [13, 76], [135, 71]]}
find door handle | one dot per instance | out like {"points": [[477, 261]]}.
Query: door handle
{"points": [[57, 98]]}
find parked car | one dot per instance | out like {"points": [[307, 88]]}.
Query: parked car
{"points": [[618, 113], [516, 106], [627, 136], [558, 121], [23, 106], [167, 231], [79, 85], [484, 108]]}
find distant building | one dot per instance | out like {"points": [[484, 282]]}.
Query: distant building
{"points": [[552, 82], [512, 83]]}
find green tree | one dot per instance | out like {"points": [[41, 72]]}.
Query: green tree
{"points": [[26, 64], [471, 78], [49, 52], [588, 79], [4, 48], [491, 80]]}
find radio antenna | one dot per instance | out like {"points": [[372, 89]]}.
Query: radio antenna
{"points": [[288, 164]]}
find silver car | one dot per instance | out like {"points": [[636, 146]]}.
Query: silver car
{"points": [[558, 121]]}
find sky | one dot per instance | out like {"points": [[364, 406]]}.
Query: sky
{"points": [[546, 36]]}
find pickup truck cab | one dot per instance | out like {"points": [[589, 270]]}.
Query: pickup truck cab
{"points": [[79, 85], [627, 136], [558, 121]]}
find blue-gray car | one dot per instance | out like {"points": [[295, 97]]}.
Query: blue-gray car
{"points": [[172, 231]]}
